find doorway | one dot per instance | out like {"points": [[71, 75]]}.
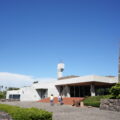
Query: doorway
{"points": [[43, 93]]}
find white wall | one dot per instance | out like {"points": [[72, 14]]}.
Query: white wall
{"points": [[30, 93], [47, 85], [12, 92]]}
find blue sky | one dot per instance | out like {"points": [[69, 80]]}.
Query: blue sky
{"points": [[36, 34]]}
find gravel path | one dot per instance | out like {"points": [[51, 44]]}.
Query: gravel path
{"points": [[66, 112]]}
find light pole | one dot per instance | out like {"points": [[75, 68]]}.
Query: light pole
{"points": [[119, 65]]}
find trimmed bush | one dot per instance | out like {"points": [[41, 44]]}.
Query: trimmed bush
{"points": [[94, 100], [115, 91], [18, 113]]}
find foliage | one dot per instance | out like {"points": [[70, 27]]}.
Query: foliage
{"points": [[18, 113], [13, 88], [2, 94], [94, 100], [102, 91], [115, 91]]}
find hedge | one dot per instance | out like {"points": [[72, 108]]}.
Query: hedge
{"points": [[94, 100], [18, 113]]}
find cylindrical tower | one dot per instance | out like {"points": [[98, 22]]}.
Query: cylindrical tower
{"points": [[60, 69]]}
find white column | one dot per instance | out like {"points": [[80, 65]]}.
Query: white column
{"points": [[92, 90], [66, 91]]}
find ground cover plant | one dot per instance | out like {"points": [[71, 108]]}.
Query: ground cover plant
{"points": [[95, 100], [18, 113]]}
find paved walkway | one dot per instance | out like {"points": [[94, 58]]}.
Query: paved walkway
{"points": [[66, 112]]}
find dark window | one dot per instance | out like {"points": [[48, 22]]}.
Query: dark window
{"points": [[79, 91]]}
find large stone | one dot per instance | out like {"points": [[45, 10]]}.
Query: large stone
{"points": [[110, 104], [4, 116], [118, 108]]}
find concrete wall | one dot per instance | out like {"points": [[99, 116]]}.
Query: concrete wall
{"points": [[26, 94], [47, 85], [110, 104], [31, 94], [15, 92]]}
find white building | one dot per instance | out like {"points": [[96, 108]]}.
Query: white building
{"points": [[33, 93], [69, 86]]}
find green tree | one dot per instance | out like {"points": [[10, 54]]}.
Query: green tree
{"points": [[1, 95], [115, 91], [12, 88]]}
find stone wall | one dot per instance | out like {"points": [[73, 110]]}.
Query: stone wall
{"points": [[5, 116], [110, 104]]}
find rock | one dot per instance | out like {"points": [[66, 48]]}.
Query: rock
{"points": [[110, 104], [4, 116]]}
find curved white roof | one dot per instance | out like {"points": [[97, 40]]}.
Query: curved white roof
{"points": [[84, 79]]}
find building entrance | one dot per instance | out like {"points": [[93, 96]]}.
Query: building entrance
{"points": [[79, 91], [43, 93]]}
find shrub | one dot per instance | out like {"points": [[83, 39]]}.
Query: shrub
{"points": [[115, 91], [2, 94], [94, 100], [102, 91], [18, 113]]}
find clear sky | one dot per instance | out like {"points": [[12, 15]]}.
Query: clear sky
{"points": [[36, 34]]}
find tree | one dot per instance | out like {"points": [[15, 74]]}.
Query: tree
{"points": [[2, 95], [115, 91], [1, 87], [12, 88]]}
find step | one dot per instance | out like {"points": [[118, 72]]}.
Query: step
{"points": [[66, 100]]}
